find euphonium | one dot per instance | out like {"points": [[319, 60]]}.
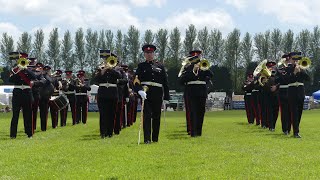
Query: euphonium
{"points": [[304, 63], [264, 72], [204, 65]]}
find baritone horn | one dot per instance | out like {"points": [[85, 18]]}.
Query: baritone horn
{"points": [[304, 63]]}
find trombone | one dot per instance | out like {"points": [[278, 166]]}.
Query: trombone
{"points": [[109, 63], [204, 65]]}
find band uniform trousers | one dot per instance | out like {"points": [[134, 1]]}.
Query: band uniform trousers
{"points": [[21, 99], [35, 106], [107, 111], [44, 107], [119, 117], [187, 108], [296, 100], [248, 102], [284, 110], [256, 105], [152, 115], [64, 112], [197, 111], [54, 115], [82, 108], [273, 107]]}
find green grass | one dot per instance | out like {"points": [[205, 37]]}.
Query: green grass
{"points": [[228, 148]]}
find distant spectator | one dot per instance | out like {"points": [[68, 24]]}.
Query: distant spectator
{"points": [[227, 102]]}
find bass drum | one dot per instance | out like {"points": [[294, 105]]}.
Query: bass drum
{"points": [[58, 102]]}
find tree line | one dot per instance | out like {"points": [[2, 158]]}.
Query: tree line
{"points": [[231, 56]]}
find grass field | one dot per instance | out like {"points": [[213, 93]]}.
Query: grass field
{"points": [[228, 148]]}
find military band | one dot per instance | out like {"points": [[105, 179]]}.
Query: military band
{"points": [[269, 88], [280, 87]]}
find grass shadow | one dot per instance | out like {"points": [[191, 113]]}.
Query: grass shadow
{"points": [[241, 123], [177, 135], [89, 137]]}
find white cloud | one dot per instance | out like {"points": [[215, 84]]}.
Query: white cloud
{"points": [[11, 29], [212, 19], [290, 11], [145, 3], [239, 4]]}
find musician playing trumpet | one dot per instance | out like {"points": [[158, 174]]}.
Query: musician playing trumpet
{"points": [[107, 78], [297, 75], [195, 77], [81, 90], [68, 87], [23, 80]]}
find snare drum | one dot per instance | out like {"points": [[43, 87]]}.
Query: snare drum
{"points": [[58, 102]]}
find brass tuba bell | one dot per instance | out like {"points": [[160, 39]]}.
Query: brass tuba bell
{"points": [[304, 63], [204, 65], [111, 62], [264, 72]]}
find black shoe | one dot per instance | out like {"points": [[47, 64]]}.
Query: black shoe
{"points": [[103, 136], [30, 137], [147, 142], [286, 133], [154, 140], [13, 137], [250, 123], [109, 136], [258, 124], [271, 129], [297, 135]]}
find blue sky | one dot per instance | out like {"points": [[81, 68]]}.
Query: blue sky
{"points": [[17, 16]]}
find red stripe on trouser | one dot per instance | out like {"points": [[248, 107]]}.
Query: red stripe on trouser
{"points": [[32, 129], [188, 114], [280, 106]]}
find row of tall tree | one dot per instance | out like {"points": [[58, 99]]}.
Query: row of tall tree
{"points": [[231, 54]]}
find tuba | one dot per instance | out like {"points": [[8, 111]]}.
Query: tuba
{"points": [[304, 63]]}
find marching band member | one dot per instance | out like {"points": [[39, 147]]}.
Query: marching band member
{"points": [[23, 80], [283, 94], [68, 87], [81, 89], [45, 93], [58, 85], [271, 94], [195, 78], [107, 77], [153, 75], [297, 76], [36, 92], [248, 86], [122, 95]]}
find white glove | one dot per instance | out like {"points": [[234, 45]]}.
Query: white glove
{"points": [[165, 101], [127, 100], [142, 94]]}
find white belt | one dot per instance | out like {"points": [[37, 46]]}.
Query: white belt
{"points": [[296, 84], [69, 92], [248, 93], [254, 90], [196, 82], [81, 93], [107, 85], [283, 86], [22, 87], [152, 84]]}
